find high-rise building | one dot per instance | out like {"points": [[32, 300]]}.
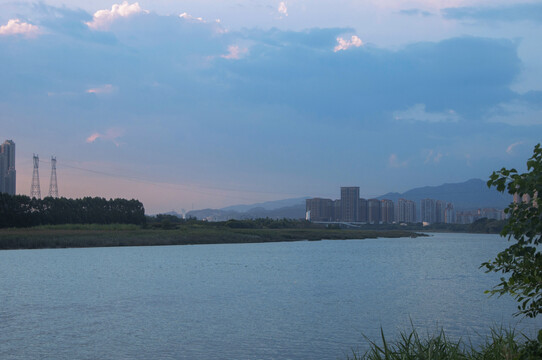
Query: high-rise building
{"points": [[440, 211], [406, 211], [387, 211], [362, 211], [319, 209], [449, 214], [428, 211], [7, 167], [336, 210], [349, 203], [373, 211]]}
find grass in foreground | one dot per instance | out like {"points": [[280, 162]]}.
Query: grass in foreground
{"points": [[502, 344]]}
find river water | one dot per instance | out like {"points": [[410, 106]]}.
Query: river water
{"points": [[292, 300]]}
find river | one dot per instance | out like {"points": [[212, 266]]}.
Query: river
{"points": [[291, 300]]}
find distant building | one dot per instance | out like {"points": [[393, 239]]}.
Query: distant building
{"points": [[349, 203], [387, 213], [319, 209], [440, 211], [362, 212], [337, 210], [428, 210], [7, 167], [405, 211], [373, 211], [449, 214]]}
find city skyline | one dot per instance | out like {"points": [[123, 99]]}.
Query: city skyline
{"points": [[210, 104]]}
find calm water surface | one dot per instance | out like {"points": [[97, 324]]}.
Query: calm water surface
{"points": [[298, 300]]}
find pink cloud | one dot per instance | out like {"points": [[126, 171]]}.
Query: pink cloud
{"points": [[105, 89], [234, 52], [111, 134], [103, 18], [283, 9], [344, 44], [187, 16], [393, 161], [16, 26], [510, 149]]}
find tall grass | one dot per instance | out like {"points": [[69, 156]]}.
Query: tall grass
{"points": [[502, 344]]}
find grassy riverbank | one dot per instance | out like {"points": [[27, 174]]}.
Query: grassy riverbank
{"points": [[501, 345], [71, 236]]}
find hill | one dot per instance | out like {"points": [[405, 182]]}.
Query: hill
{"points": [[468, 195]]}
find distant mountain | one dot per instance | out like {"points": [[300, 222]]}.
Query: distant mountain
{"points": [[173, 213], [290, 212], [468, 195], [268, 205]]}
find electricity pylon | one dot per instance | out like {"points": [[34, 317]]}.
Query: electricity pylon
{"points": [[53, 187], [35, 190]]}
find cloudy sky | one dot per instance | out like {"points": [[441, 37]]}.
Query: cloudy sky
{"points": [[208, 103]]}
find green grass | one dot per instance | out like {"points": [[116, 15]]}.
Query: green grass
{"points": [[502, 344], [92, 235]]}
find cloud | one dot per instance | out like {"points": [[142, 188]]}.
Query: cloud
{"points": [[517, 12], [189, 17], [517, 112], [415, 12], [343, 44], [18, 27], [103, 18], [234, 52], [393, 161], [111, 134], [283, 9], [105, 89], [418, 113], [510, 149], [433, 157]]}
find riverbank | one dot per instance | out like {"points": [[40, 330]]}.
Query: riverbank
{"points": [[77, 236]]}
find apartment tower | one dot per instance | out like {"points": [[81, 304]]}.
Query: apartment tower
{"points": [[7, 167]]}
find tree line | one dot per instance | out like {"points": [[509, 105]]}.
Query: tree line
{"points": [[23, 211]]}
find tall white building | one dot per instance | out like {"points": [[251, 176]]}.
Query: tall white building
{"points": [[7, 167]]}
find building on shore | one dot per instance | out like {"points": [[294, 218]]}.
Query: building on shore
{"points": [[350, 208], [349, 203], [387, 211], [406, 211], [8, 178]]}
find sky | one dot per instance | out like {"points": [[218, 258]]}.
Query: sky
{"points": [[204, 104]]}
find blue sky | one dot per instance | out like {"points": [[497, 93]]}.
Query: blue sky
{"points": [[194, 104]]}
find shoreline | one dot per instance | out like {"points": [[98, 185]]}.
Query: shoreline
{"points": [[109, 236]]}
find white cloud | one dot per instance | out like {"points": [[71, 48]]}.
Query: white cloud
{"points": [[18, 27], [343, 44], [393, 161], [111, 134], [234, 52], [517, 113], [510, 148], [283, 9], [103, 18], [187, 16], [418, 113], [105, 89], [433, 157]]}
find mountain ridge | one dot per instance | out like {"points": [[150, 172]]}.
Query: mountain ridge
{"points": [[468, 195]]}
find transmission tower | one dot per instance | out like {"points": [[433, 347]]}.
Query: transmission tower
{"points": [[53, 187], [35, 191]]}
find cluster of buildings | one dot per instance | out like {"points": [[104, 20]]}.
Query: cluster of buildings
{"points": [[351, 208], [7, 167]]}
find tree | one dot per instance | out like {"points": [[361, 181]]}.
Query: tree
{"points": [[521, 261]]}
